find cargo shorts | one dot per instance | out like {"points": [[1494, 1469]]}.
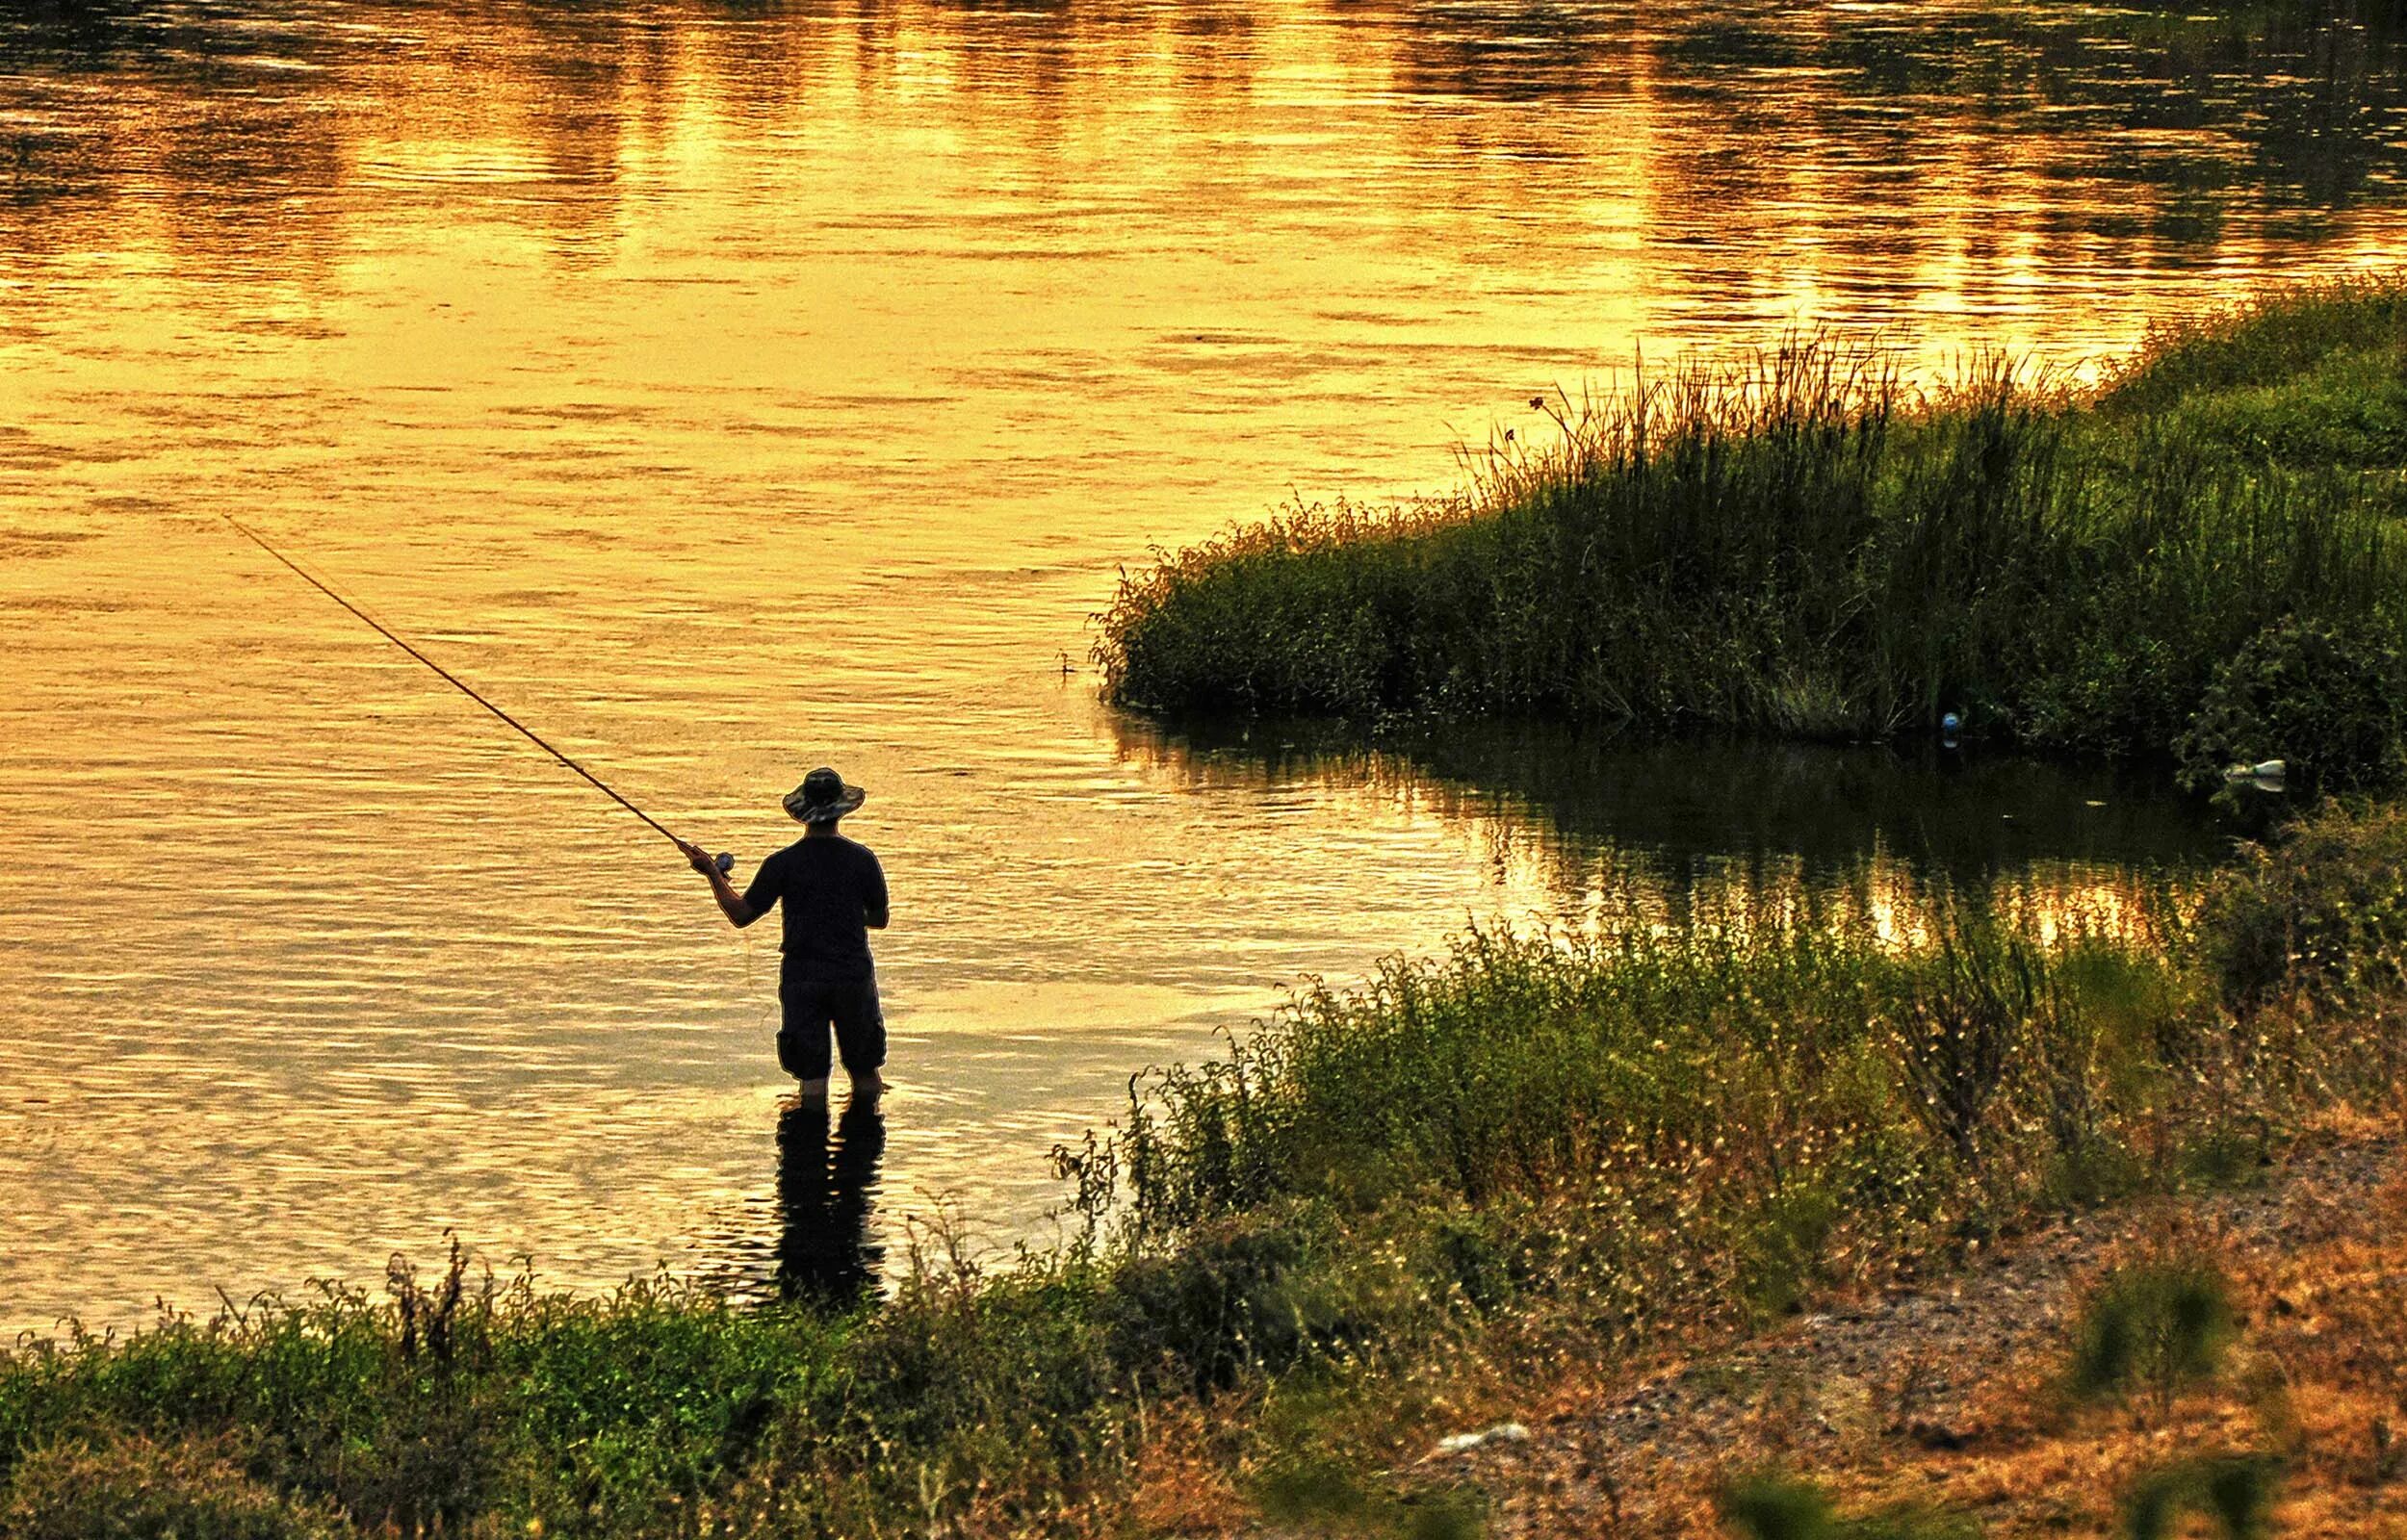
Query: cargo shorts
{"points": [[811, 1007]]}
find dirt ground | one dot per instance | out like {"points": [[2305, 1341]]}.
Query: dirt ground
{"points": [[1947, 1397]]}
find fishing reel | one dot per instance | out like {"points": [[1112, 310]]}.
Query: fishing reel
{"points": [[726, 862]]}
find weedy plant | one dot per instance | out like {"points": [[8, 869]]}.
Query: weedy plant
{"points": [[2149, 1329]]}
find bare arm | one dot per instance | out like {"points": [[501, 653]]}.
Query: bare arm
{"points": [[730, 903]]}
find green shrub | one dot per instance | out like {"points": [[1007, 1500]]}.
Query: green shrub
{"points": [[1310, 1491], [1779, 1250], [1007, 1375], [1774, 1507], [2319, 912], [2330, 702], [1450, 1514], [2151, 1328], [1223, 1304]]}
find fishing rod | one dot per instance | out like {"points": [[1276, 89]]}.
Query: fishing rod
{"points": [[726, 861]]}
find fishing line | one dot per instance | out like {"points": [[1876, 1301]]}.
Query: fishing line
{"points": [[726, 862]]}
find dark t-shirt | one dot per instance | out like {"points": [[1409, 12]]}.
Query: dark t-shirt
{"points": [[831, 888]]}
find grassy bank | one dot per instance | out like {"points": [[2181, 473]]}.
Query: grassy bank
{"points": [[1808, 545], [1392, 1209]]}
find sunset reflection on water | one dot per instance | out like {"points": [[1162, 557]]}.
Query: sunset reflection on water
{"points": [[732, 388]]}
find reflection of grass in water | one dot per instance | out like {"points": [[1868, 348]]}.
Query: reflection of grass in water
{"points": [[1589, 824], [1703, 795], [1807, 546]]}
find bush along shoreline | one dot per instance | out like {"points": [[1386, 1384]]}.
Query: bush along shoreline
{"points": [[1389, 1211], [2199, 559]]}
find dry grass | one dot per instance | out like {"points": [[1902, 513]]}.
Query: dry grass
{"points": [[2317, 1378], [1185, 1484]]}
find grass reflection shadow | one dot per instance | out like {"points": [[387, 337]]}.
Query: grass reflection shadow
{"points": [[1679, 827]]}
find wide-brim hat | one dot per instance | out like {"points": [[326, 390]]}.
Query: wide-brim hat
{"points": [[822, 798]]}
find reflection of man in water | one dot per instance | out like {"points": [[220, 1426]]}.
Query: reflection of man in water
{"points": [[835, 895], [824, 1190]]}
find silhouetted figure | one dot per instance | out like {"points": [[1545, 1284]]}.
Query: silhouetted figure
{"points": [[825, 1191], [835, 895]]}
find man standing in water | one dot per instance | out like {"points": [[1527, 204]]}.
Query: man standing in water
{"points": [[835, 894]]}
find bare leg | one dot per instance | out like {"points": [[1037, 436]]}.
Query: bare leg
{"points": [[814, 1089], [869, 1083]]}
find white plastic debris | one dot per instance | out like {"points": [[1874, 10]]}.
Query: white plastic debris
{"points": [[1464, 1442]]}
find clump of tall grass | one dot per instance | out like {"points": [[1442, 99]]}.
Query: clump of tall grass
{"points": [[1806, 543], [1762, 1049], [2270, 342], [2234, 1492]]}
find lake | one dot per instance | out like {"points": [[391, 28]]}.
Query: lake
{"points": [[731, 387]]}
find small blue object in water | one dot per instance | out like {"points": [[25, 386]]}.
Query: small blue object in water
{"points": [[727, 862], [1951, 722]]}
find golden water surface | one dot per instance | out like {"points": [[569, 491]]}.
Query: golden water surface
{"points": [[731, 387]]}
